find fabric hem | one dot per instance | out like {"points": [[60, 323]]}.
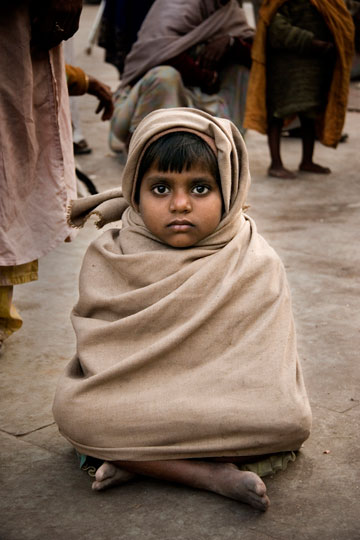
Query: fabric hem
{"points": [[32, 276], [264, 467], [151, 454]]}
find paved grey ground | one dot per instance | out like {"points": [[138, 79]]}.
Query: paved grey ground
{"points": [[313, 223]]}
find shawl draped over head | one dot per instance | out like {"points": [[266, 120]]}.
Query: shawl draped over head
{"points": [[171, 28], [340, 24], [182, 352]]}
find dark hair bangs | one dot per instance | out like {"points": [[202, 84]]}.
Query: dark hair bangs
{"points": [[176, 152]]}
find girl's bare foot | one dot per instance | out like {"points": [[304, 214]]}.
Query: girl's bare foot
{"points": [[243, 486], [281, 172], [109, 475], [314, 168], [222, 478]]}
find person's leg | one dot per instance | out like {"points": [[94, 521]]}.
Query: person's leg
{"points": [[308, 142], [160, 88], [234, 80], [221, 478], [10, 320], [277, 168]]}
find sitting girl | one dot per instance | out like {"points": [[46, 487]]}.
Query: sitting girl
{"points": [[186, 367]]}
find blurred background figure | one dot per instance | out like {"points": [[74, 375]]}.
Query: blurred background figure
{"points": [[79, 142], [354, 8], [82, 84], [120, 23], [79, 83], [37, 171], [302, 57], [188, 53]]}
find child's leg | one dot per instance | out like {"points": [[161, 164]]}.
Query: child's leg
{"points": [[222, 478], [308, 142], [276, 168]]}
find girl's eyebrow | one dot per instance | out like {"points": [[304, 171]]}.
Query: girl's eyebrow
{"points": [[205, 178], [155, 180]]}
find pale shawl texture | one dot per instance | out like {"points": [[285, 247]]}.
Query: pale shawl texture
{"points": [[171, 28], [183, 352], [37, 171]]}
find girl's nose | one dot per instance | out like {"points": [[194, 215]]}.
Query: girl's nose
{"points": [[180, 202]]}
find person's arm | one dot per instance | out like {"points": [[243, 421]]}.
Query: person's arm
{"points": [[77, 80], [80, 83], [214, 51], [103, 93], [283, 35], [202, 69], [193, 74]]}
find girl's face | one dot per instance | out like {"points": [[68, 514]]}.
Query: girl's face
{"points": [[180, 208]]}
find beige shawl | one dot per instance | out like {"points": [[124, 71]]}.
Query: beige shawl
{"points": [[171, 28], [183, 352]]}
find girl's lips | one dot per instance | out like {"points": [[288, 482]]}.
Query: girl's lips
{"points": [[180, 225]]}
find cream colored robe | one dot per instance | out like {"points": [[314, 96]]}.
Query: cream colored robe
{"points": [[182, 352]]}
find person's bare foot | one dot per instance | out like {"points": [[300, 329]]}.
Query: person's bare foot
{"points": [[244, 486], [108, 475], [221, 478], [314, 168], [281, 172]]}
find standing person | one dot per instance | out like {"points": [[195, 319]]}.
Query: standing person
{"points": [[189, 53], [37, 172], [302, 57], [186, 367]]}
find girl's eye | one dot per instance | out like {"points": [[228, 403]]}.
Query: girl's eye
{"points": [[160, 190], [201, 189]]}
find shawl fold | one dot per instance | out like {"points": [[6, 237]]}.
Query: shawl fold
{"points": [[183, 353], [340, 24], [108, 206]]}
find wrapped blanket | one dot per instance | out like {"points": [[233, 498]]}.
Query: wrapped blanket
{"points": [[182, 353]]}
